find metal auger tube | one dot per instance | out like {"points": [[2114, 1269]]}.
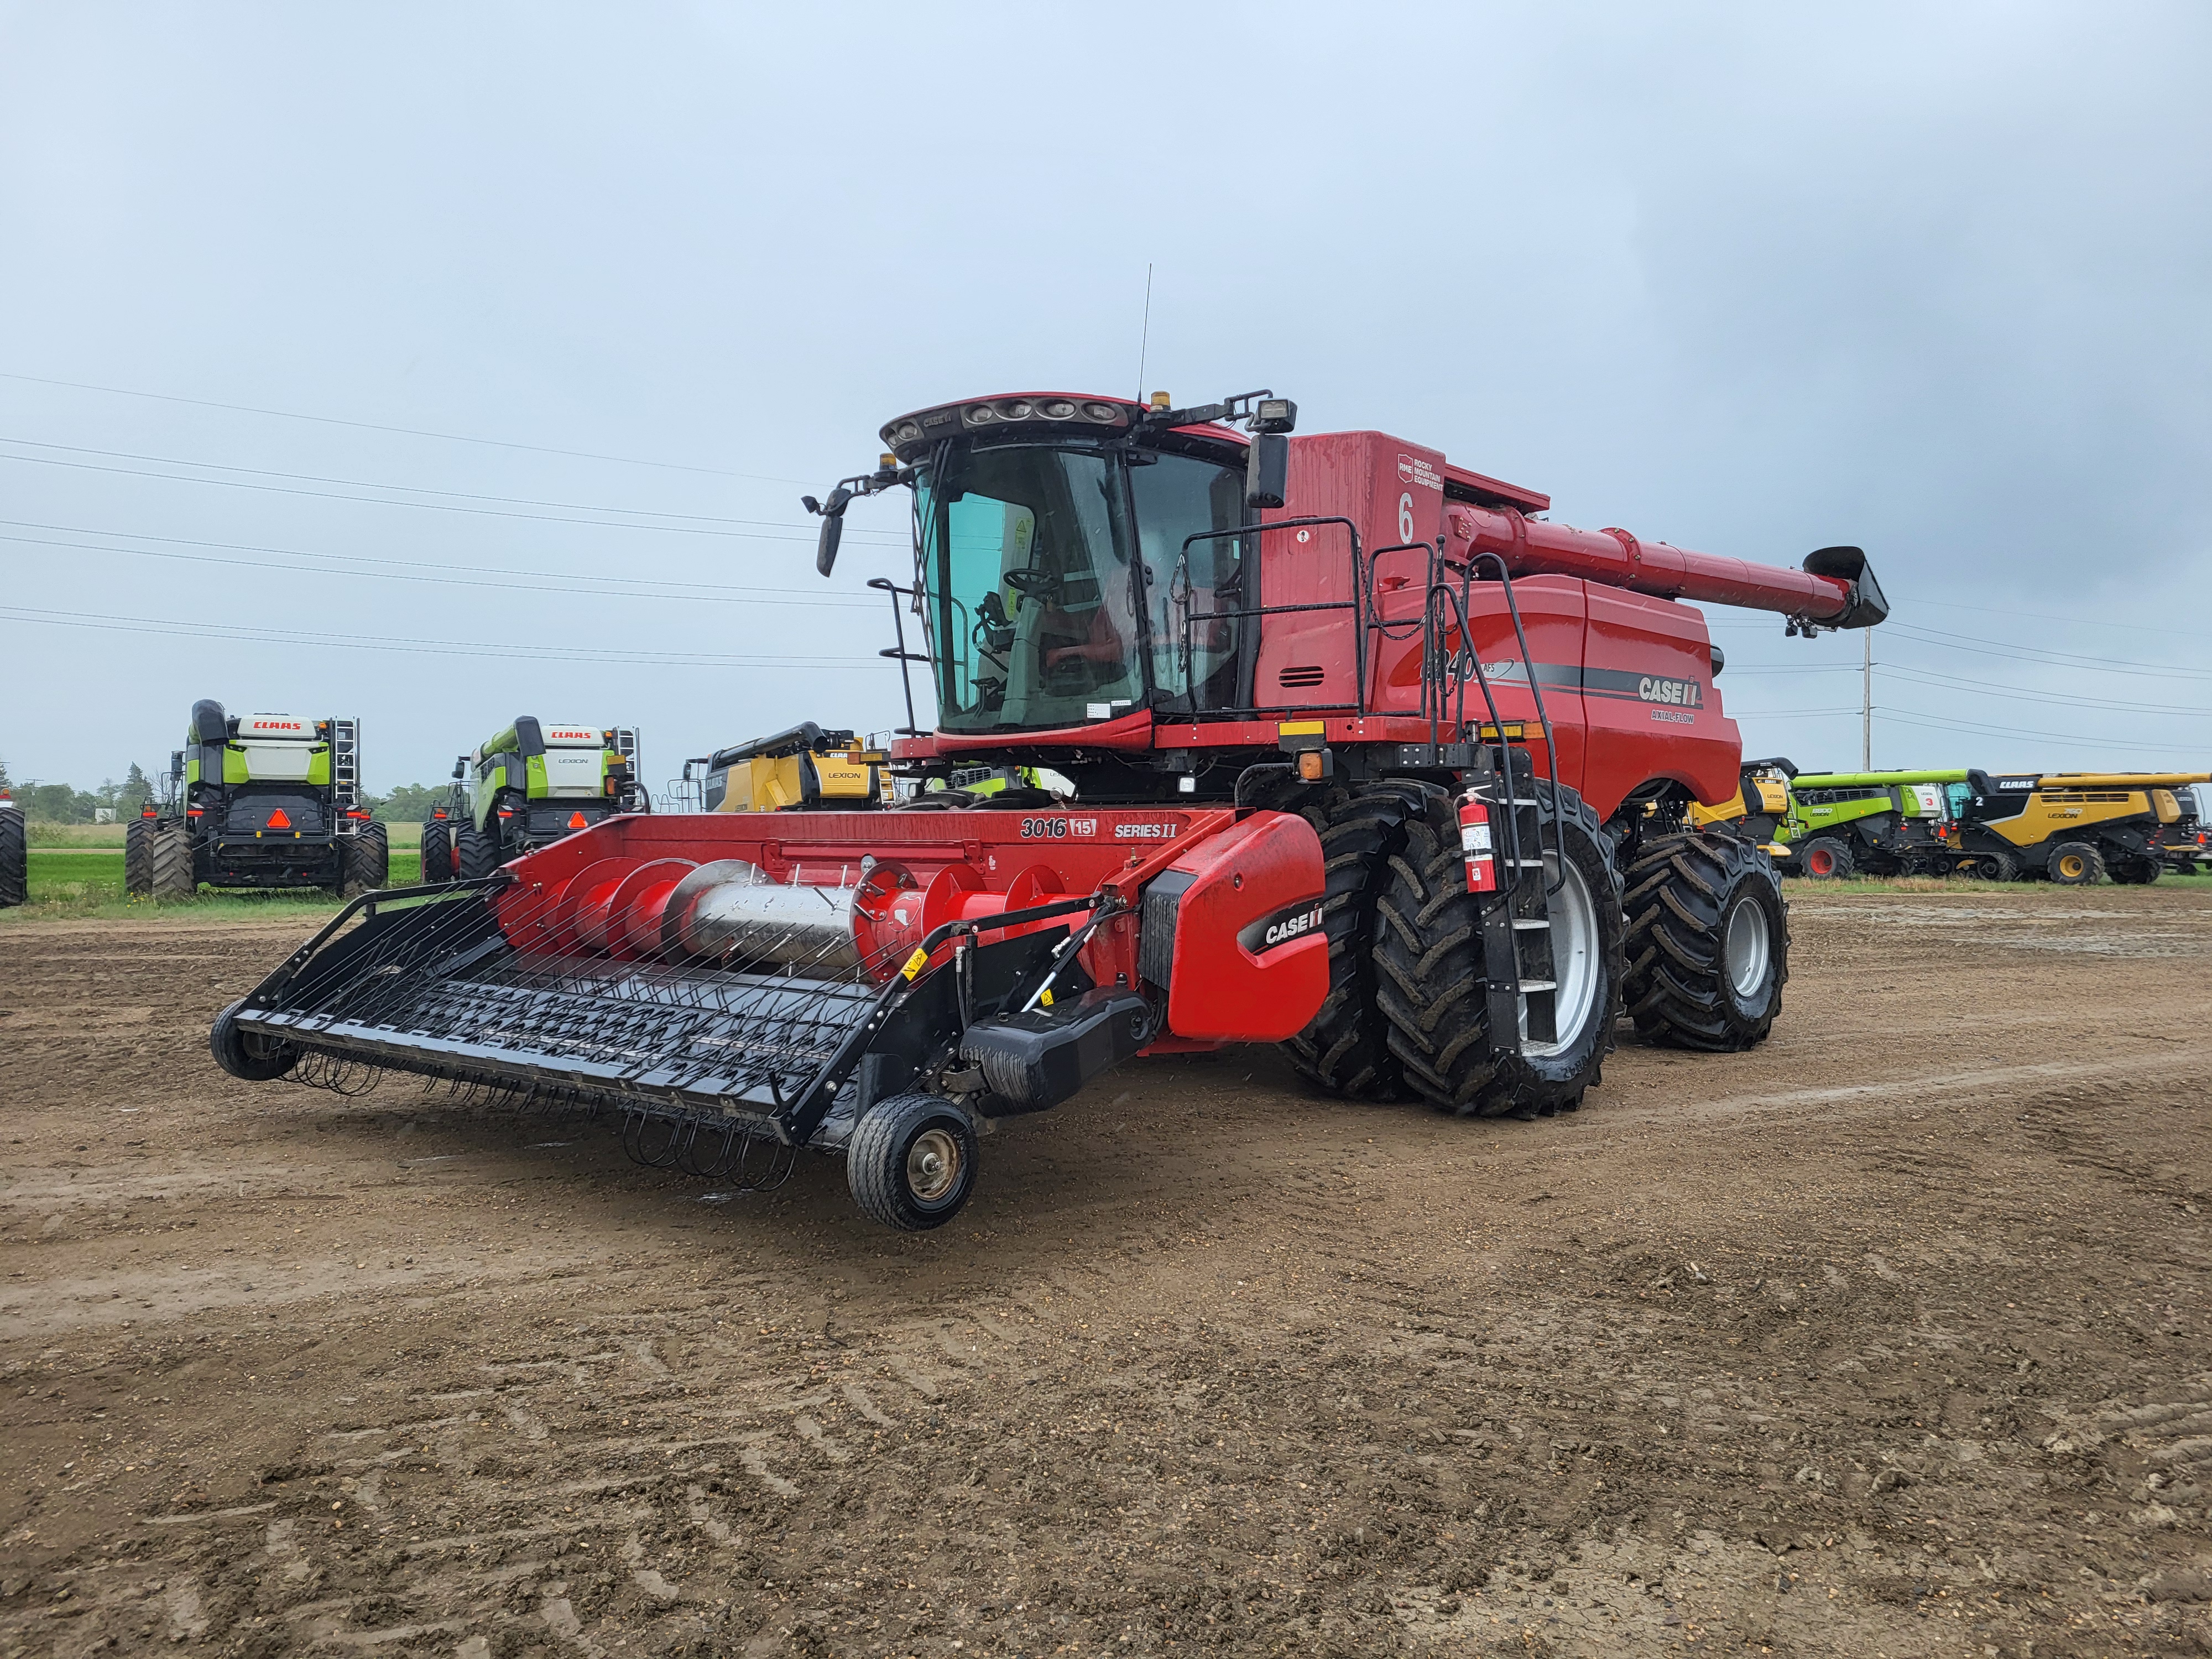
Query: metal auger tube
{"points": [[730, 909]]}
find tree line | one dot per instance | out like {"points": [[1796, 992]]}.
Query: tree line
{"points": [[63, 803]]}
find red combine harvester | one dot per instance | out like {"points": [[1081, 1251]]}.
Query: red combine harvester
{"points": [[1371, 760]]}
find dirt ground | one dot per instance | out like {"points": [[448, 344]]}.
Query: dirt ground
{"points": [[1887, 1338]]}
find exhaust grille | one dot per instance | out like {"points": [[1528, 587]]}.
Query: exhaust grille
{"points": [[1298, 677]]}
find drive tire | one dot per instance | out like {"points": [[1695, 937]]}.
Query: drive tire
{"points": [[364, 861], [173, 875], [138, 858], [249, 1059], [1826, 858], [15, 859], [1996, 866], [911, 1162], [437, 853], [2076, 864], [1708, 945], [476, 854], [1431, 982], [1347, 1048], [2135, 872]]}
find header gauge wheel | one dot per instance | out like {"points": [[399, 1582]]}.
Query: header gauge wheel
{"points": [[911, 1162]]}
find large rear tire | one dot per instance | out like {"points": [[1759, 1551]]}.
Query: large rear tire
{"points": [[911, 1162], [365, 860], [437, 853], [1432, 984], [2135, 872], [476, 854], [138, 858], [2076, 864], [1826, 858], [15, 859], [1347, 1048], [1708, 944], [1997, 866], [173, 877]]}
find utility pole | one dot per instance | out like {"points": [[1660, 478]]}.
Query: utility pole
{"points": [[1866, 700]]}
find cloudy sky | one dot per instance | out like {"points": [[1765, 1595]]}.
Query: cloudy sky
{"points": [[437, 364]]}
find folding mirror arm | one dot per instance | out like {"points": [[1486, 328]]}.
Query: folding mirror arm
{"points": [[832, 512]]}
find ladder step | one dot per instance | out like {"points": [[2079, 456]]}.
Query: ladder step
{"points": [[1527, 985], [1523, 864], [1524, 924]]}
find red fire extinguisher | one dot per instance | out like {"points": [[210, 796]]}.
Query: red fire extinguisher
{"points": [[1474, 842]]}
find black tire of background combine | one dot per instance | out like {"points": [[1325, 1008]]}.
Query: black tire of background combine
{"points": [[1347, 1048], [173, 875], [876, 1161], [1681, 891], [437, 851], [1431, 988], [476, 854], [138, 858], [1997, 866], [15, 859], [365, 860], [2092, 864], [1842, 866], [2136, 872]]}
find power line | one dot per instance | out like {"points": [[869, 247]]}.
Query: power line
{"points": [[2047, 736], [438, 507], [1949, 682], [420, 646], [408, 569], [2054, 658], [405, 431]]}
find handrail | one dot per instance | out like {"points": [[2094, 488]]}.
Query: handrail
{"points": [[898, 653]]}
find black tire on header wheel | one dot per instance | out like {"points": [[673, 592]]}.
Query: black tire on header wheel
{"points": [[251, 1059], [138, 858], [1347, 1048], [911, 1162], [173, 875], [1708, 944], [1433, 987], [15, 859]]}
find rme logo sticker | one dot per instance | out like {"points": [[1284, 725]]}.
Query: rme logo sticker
{"points": [[1682, 694], [1287, 925], [1412, 470]]}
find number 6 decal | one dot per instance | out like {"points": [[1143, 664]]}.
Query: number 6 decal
{"points": [[1406, 517]]}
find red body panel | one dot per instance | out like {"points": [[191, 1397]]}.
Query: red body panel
{"points": [[1251, 961]]}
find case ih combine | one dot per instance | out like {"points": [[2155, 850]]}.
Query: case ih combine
{"points": [[1372, 760]]}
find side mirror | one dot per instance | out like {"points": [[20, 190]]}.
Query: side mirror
{"points": [[176, 765], [1266, 470], [460, 767], [833, 527]]}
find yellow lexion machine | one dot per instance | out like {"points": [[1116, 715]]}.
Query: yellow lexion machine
{"points": [[805, 766], [2076, 828]]}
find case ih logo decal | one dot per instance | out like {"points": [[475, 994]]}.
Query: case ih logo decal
{"points": [[1683, 694], [1292, 922], [1412, 470]]}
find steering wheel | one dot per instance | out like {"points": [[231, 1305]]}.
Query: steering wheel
{"points": [[1037, 584]]}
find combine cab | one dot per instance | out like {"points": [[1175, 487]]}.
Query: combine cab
{"points": [[1367, 758], [526, 788], [258, 801]]}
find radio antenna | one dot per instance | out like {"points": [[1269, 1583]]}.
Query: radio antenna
{"points": [[1143, 346]]}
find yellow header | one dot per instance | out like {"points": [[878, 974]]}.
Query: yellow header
{"points": [[2120, 780]]}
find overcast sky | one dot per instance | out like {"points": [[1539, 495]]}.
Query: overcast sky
{"points": [[1751, 279]]}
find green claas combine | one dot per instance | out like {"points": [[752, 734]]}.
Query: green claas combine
{"points": [[526, 788], [258, 801], [1877, 823]]}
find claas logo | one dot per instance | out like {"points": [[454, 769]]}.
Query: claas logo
{"points": [[278, 726], [565, 732]]}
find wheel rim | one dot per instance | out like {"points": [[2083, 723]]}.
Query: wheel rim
{"points": [[2070, 867], [1574, 959], [933, 1166], [1821, 862], [1746, 946]]}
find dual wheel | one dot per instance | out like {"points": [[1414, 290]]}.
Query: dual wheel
{"points": [[364, 861], [157, 860], [1694, 944]]}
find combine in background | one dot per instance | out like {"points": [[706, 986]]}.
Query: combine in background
{"points": [[526, 788], [15, 854], [264, 801], [806, 769], [2075, 827], [1842, 824]]}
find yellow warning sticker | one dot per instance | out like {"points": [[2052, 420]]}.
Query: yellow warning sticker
{"points": [[1300, 729], [1045, 996], [915, 963]]}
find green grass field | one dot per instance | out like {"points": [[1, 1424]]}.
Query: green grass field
{"points": [[76, 880]]}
